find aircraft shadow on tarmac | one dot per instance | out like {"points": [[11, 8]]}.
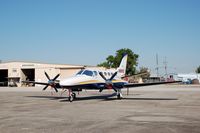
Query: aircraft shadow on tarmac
{"points": [[101, 97], [48, 97]]}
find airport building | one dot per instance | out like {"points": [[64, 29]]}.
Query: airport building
{"points": [[12, 73]]}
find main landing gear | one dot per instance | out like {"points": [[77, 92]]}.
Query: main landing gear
{"points": [[119, 94], [72, 96]]}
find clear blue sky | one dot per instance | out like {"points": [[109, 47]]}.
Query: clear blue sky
{"points": [[87, 31]]}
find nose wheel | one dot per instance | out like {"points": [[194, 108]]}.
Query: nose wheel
{"points": [[72, 96]]}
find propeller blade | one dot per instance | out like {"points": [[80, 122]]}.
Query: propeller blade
{"points": [[45, 87], [114, 89], [101, 74], [55, 89], [56, 77], [113, 76], [100, 90], [47, 76]]}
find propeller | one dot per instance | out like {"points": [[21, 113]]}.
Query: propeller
{"points": [[51, 82], [108, 82]]}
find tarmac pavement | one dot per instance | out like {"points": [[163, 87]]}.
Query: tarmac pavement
{"points": [[155, 109]]}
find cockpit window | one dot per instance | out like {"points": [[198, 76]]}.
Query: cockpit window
{"points": [[95, 73], [88, 73], [79, 73]]}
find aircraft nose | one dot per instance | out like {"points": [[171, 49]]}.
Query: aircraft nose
{"points": [[68, 82], [73, 81], [65, 83]]}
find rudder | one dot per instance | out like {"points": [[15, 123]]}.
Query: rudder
{"points": [[122, 67]]}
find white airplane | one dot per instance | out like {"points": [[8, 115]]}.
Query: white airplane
{"points": [[94, 79]]}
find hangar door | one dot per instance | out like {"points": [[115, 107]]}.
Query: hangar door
{"points": [[65, 73], [28, 74], [3, 78]]}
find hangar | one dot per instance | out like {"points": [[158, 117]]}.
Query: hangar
{"points": [[12, 73]]}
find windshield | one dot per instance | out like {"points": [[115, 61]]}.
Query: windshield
{"points": [[88, 73], [79, 73]]}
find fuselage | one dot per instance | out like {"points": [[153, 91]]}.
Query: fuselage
{"points": [[91, 79]]}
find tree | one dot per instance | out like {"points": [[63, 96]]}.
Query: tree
{"points": [[114, 61], [198, 70], [144, 72]]}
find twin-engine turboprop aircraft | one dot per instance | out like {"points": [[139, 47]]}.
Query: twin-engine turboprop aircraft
{"points": [[94, 79]]}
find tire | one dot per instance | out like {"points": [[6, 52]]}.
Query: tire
{"points": [[71, 98], [119, 97], [74, 95]]}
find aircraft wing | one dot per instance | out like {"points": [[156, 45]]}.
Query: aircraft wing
{"points": [[41, 83], [33, 82], [149, 84]]}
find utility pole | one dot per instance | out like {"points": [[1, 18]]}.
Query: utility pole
{"points": [[157, 68], [165, 65]]}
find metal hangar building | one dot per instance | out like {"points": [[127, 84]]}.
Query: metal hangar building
{"points": [[12, 73]]}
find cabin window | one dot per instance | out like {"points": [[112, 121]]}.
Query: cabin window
{"points": [[105, 73], [108, 74]]}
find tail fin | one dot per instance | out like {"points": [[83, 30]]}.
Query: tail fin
{"points": [[122, 67]]}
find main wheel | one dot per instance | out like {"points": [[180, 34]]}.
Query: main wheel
{"points": [[71, 98], [74, 95], [119, 96]]}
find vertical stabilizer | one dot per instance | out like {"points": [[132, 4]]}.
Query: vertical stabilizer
{"points": [[122, 67]]}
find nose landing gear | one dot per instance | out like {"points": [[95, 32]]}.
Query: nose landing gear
{"points": [[72, 96]]}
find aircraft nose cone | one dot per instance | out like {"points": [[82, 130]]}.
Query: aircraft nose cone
{"points": [[70, 81], [65, 82], [74, 81]]}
